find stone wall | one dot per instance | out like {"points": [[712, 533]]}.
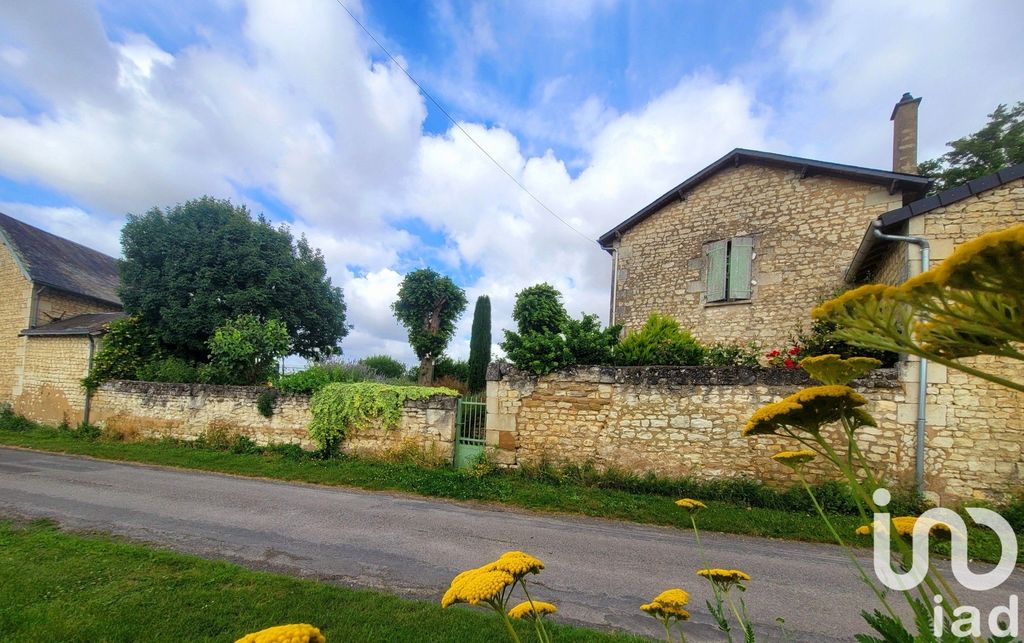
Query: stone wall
{"points": [[14, 318], [51, 381], [805, 230], [688, 421], [186, 411]]}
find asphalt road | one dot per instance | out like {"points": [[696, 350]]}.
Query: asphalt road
{"points": [[597, 571]]}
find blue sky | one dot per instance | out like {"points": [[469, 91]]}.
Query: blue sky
{"points": [[597, 106]]}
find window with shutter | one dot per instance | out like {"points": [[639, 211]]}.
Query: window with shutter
{"points": [[741, 250], [728, 264], [716, 255]]}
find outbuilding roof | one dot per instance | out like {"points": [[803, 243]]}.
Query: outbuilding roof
{"points": [[909, 183], [60, 263], [872, 248], [87, 324]]}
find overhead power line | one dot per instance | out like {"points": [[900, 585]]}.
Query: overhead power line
{"points": [[456, 124]]}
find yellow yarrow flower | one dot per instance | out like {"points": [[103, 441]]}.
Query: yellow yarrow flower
{"points": [[484, 586], [526, 608], [838, 304], [991, 262], [691, 505], [517, 564], [296, 633], [665, 611], [724, 578], [831, 369], [904, 526], [673, 597], [794, 459], [806, 410]]}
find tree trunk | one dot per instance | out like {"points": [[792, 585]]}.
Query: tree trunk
{"points": [[426, 377]]}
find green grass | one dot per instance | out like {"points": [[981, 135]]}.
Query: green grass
{"points": [[57, 586], [541, 490]]}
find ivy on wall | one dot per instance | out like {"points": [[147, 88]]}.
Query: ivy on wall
{"points": [[347, 407]]}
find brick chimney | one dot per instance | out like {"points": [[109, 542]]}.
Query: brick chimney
{"points": [[904, 134]]}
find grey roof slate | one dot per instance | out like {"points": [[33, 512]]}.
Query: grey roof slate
{"points": [[87, 324], [62, 264], [910, 183]]}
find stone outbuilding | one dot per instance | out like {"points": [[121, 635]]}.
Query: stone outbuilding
{"points": [[58, 296]]}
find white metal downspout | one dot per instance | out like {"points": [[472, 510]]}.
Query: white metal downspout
{"points": [[922, 383]]}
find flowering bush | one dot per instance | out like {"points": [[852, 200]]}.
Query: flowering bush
{"points": [[783, 358]]}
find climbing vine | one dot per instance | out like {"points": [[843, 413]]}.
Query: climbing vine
{"points": [[346, 407]]}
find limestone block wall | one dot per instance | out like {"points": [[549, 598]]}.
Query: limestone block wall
{"points": [[57, 304], [688, 421], [50, 388], [186, 411], [15, 304], [805, 230]]}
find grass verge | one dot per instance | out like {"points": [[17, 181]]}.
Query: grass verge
{"points": [[567, 494], [63, 587]]}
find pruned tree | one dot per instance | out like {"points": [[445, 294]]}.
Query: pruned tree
{"points": [[480, 345], [428, 306], [999, 144]]}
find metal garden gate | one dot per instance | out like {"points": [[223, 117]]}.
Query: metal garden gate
{"points": [[470, 429]]}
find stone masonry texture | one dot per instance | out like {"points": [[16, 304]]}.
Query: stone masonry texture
{"points": [[187, 411], [805, 230], [687, 421]]}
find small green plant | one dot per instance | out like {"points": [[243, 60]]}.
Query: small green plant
{"points": [[266, 401], [339, 408], [245, 351], [660, 342], [726, 354], [12, 421]]}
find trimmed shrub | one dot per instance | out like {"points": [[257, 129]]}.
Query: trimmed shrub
{"points": [[169, 369], [316, 377], [661, 342], [388, 367], [480, 345]]}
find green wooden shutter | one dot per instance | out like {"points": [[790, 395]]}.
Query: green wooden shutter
{"points": [[715, 259], [740, 254]]}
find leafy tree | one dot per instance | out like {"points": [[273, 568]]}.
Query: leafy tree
{"points": [[539, 309], [480, 345], [190, 268], [547, 339], [245, 351], [999, 144], [428, 306], [385, 365]]}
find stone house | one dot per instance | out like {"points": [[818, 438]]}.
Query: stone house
{"points": [[58, 296], [746, 247]]}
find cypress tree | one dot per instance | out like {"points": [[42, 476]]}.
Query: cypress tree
{"points": [[480, 345]]}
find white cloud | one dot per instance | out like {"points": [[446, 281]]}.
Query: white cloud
{"points": [[294, 106]]}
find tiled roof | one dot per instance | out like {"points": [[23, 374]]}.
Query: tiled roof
{"points": [[910, 183], [62, 264], [88, 324]]}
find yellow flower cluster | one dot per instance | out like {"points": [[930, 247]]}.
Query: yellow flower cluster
{"points": [[904, 526], [794, 459], [296, 633], [517, 564], [724, 578], [806, 410], [991, 262], [476, 586], [485, 583], [669, 604], [840, 303], [830, 369], [691, 505], [526, 608]]}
